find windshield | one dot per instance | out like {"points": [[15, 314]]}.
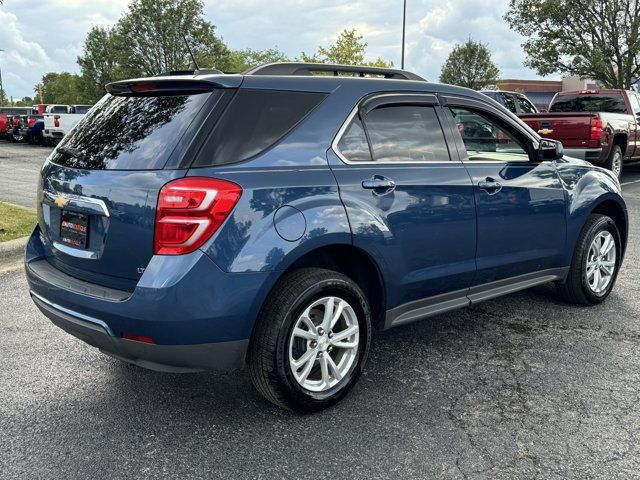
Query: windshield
{"points": [[590, 102], [129, 133]]}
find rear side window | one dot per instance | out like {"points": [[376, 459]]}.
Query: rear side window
{"points": [[129, 133], [525, 105], [406, 134], [353, 144], [254, 121], [590, 102], [509, 102]]}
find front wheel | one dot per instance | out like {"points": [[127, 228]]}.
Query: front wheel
{"points": [[595, 264], [311, 341]]}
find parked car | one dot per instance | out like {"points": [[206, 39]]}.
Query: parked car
{"points": [[58, 124], [600, 126], [30, 128], [6, 118], [515, 102], [14, 128], [277, 218]]}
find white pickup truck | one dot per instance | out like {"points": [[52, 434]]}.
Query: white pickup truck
{"points": [[59, 119]]}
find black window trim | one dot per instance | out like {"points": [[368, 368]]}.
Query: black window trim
{"points": [[389, 99], [511, 126]]}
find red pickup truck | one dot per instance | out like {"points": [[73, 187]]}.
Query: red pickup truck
{"points": [[600, 126]]}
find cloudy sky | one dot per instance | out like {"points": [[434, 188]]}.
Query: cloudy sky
{"points": [[44, 36]]}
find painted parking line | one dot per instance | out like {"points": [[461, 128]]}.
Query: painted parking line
{"points": [[630, 182]]}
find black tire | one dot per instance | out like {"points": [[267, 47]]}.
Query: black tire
{"points": [[615, 161], [576, 289], [268, 356]]}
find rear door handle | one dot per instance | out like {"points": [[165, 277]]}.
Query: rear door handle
{"points": [[378, 183], [490, 185]]}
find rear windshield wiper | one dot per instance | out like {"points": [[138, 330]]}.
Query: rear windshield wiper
{"points": [[72, 152]]}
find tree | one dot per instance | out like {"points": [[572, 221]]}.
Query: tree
{"points": [[63, 87], [99, 63], [470, 66], [149, 37], [348, 49], [241, 60], [596, 39]]}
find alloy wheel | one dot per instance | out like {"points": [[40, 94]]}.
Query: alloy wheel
{"points": [[601, 262], [323, 345]]}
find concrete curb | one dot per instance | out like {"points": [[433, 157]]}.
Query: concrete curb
{"points": [[12, 251]]}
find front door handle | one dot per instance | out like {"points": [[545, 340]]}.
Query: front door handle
{"points": [[379, 183], [490, 185]]}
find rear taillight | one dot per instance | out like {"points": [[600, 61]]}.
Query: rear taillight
{"points": [[190, 210], [597, 129], [56, 121], [32, 121]]}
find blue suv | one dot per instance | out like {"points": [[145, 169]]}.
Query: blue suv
{"points": [[277, 218]]}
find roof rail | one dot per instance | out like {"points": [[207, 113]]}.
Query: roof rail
{"points": [[302, 68]]}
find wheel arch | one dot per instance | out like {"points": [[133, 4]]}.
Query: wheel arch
{"points": [[344, 258], [612, 209]]}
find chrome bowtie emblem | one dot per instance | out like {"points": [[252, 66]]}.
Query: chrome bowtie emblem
{"points": [[61, 202]]}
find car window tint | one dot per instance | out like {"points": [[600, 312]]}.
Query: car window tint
{"points": [[406, 134], [254, 121], [635, 104], [353, 144], [485, 140], [129, 133], [509, 102], [525, 105], [589, 102]]}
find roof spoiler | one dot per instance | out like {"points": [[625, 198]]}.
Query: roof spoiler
{"points": [[302, 68], [176, 85]]}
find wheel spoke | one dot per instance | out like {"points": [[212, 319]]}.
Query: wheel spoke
{"points": [[337, 314], [596, 279], [309, 323], [328, 313], [311, 353], [607, 245], [591, 267], [334, 368], [325, 370], [605, 269], [306, 334], [344, 334], [307, 368], [346, 344]]}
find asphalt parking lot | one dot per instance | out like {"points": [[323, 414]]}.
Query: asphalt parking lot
{"points": [[520, 387]]}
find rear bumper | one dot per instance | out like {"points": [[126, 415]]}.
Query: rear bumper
{"points": [[199, 317], [593, 155], [222, 356]]}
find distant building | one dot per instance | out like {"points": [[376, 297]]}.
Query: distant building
{"points": [[540, 92]]}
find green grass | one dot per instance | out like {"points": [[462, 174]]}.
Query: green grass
{"points": [[15, 221]]}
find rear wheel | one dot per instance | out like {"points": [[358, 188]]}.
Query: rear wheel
{"points": [[615, 161], [311, 341], [595, 263]]}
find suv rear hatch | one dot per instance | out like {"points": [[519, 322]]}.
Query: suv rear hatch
{"points": [[99, 188]]}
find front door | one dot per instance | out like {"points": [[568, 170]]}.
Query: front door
{"points": [[520, 201], [409, 205]]}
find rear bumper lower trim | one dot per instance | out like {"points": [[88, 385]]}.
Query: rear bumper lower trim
{"points": [[222, 356], [589, 154]]}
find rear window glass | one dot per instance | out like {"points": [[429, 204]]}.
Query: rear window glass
{"points": [[353, 145], [590, 102], [525, 105], [129, 133], [254, 121]]}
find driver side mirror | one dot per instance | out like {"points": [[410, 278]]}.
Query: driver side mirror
{"points": [[550, 149]]}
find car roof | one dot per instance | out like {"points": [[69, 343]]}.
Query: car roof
{"points": [[503, 91]]}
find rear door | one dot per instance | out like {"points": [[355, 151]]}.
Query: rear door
{"points": [[409, 205], [99, 187], [520, 201]]}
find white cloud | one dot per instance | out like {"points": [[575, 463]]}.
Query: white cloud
{"points": [[49, 37]]}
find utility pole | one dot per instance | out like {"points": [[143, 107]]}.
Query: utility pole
{"points": [[404, 26], [1, 88]]}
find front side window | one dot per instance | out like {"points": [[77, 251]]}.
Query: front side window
{"points": [[485, 140]]}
